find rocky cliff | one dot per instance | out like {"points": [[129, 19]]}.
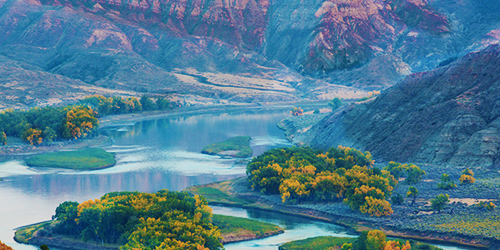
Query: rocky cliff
{"points": [[214, 51], [450, 115]]}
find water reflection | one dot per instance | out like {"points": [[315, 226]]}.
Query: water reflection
{"points": [[151, 155]]}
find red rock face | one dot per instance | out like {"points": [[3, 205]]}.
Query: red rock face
{"points": [[237, 22], [346, 33]]}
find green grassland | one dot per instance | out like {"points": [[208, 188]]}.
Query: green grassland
{"points": [[86, 159], [239, 143], [330, 242], [472, 223], [317, 243], [231, 225], [216, 196]]}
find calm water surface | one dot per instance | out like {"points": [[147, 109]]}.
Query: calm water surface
{"points": [[153, 155]]}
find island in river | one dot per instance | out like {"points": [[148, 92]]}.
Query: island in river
{"points": [[134, 220], [238, 147], [85, 159]]}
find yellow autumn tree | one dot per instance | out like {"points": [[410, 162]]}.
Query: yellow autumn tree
{"points": [[3, 138], [33, 136], [4, 247], [467, 177], [80, 121]]}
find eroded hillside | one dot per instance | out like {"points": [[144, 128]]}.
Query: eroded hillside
{"points": [[450, 115], [219, 52]]}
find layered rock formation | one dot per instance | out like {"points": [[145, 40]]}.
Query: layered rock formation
{"points": [[450, 115], [227, 51]]}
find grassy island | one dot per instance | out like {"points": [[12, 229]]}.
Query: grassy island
{"points": [[86, 159], [238, 146], [134, 220], [235, 229]]}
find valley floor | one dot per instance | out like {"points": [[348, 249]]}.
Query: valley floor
{"points": [[461, 225]]}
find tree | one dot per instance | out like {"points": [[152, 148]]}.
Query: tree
{"points": [[413, 193], [162, 103], [467, 177], [49, 134], [375, 240], [397, 199], [439, 203], [3, 138], [335, 103], [414, 174], [33, 136], [147, 104], [446, 182], [4, 247], [79, 122], [346, 246], [296, 111], [44, 247]]}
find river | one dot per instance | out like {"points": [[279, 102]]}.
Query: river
{"points": [[152, 155]]}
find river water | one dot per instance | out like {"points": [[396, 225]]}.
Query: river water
{"points": [[152, 155]]}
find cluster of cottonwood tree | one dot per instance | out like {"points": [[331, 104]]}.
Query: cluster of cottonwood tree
{"points": [[43, 125], [39, 125], [305, 174], [121, 105], [162, 220]]}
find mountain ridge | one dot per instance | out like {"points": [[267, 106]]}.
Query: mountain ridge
{"points": [[450, 115]]}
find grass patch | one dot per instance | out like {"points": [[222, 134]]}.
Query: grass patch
{"points": [[235, 225], [86, 159], [216, 195], [485, 223], [239, 143], [25, 233], [330, 242], [317, 243]]}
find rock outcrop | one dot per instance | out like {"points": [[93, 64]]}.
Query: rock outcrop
{"points": [[228, 51], [450, 115]]}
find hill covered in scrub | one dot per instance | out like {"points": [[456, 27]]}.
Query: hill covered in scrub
{"points": [[450, 115], [220, 52]]}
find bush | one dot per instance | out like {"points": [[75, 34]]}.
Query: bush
{"points": [[335, 103]]}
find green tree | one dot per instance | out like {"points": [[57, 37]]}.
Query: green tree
{"points": [[147, 104], [446, 182], [3, 138], [44, 247], [162, 103], [439, 203], [414, 174], [413, 193], [316, 111], [49, 134], [335, 103], [67, 213], [397, 199]]}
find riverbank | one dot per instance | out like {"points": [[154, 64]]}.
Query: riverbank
{"points": [[233, 229], [237, 193], [20, 149]]}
